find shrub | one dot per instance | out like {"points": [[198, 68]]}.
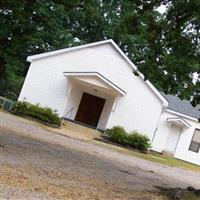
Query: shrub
{"points": [[44, 114], [117, 134], [132, 139], [139, 141]]}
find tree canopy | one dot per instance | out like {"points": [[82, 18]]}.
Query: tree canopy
{"points": [[165, 47]]}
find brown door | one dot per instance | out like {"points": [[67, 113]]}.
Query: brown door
{"points": [[90, 109]]}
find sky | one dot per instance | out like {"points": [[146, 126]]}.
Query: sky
{"points": [[161, 9]]}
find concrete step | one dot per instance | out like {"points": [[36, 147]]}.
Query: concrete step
{"points": [[79, 128]]}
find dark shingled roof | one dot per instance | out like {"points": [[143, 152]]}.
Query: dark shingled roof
{"points": [[182, 106]]}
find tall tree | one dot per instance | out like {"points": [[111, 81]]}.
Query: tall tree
{"points": [[28, 27], [181, 42], [165, 47]]}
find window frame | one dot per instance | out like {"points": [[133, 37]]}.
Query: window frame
{"points": [[192, 141]]}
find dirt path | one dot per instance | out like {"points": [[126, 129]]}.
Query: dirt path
{"points": [[37, 164]]}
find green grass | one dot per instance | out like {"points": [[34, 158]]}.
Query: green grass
{"points": [[154, 157], [191, 196], [167, 160]]}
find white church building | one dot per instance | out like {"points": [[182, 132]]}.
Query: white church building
{"points": [[95, 84]]}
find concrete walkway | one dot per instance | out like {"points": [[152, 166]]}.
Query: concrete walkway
{"points": [[76, 131]]}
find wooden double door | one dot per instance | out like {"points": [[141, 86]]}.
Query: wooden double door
{"points": [[90, 109]]}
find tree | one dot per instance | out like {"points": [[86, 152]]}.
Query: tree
{"points": [[28, 27], [182, 49], [165, 48]]}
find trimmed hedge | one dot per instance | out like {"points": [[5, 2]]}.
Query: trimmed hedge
{"points": [[117, 134], [44, 114], [133, 139], [138, 141]]}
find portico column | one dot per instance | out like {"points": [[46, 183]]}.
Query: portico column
{"points": [[68, 93]]}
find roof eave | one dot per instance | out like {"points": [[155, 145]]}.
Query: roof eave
{"points": [[65, 50], [100, 76], [185, 123], [182, 115]]}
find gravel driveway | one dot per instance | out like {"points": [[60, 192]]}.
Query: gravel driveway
{"points": [[38, 164]]}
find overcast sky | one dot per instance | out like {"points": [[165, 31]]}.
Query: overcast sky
{"points": [[161, 9]]}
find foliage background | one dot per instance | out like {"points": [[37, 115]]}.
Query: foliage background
{"points": [[165, 47]]}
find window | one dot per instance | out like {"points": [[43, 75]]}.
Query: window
{"points": [[195, 143]]}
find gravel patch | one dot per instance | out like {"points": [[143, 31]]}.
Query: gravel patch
{"points": [[38, 164]]}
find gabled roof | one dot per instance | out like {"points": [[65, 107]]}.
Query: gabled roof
{"points": [[182, 106], [179, 121], [100, 76], [65, 50], [121, 53]]}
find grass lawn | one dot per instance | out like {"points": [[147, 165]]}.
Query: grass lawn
{"points": [[154, 157]]}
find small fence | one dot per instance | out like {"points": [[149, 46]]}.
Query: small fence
{"points": [[6, 104]]}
